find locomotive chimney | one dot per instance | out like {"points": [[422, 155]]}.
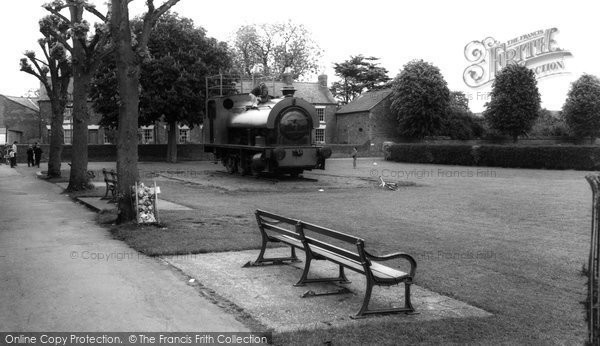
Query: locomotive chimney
{"points": [[288, 89]]}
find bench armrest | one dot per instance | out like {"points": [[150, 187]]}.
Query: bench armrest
{"points": [[409, 258]]}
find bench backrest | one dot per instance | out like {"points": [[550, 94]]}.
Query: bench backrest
{"points": [[314, 235], [278, 224], [109, 176], [322, 236]]}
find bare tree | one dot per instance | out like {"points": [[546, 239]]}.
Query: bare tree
{"points": [[87, 52], [275, 48], [128, 59], [55, 74]]}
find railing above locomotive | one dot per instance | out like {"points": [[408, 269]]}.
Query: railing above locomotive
{"points": [[248, 134]]}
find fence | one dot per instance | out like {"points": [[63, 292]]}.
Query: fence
{"points": [[591, 304]]}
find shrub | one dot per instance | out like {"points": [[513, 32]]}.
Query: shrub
{"points": [[549, 124], [547, 157], [433, 153]]}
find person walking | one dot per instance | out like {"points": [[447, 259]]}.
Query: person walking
{"points": [[11, 157], [13, 161], [354, 154], [37, 154], [30, 162]]}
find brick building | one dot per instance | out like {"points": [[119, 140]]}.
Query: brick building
{"points": [[152, 134], [19, 120], [315, 92], [367, 118]]}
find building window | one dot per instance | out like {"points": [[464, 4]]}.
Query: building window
{"points": [[92, 136], [147, 135], [184, 135], [68, 136], [320, 135], [321, 114], [68, 114], [106, 137]]}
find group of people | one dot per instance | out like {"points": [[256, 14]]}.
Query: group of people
{"points": [[34, 155]]}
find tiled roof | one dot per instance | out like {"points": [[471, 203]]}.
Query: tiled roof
{"points": [[30, 103], [365, 102], [311, 92]]}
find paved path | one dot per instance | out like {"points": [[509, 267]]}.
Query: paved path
{"points": [[59, 271]]}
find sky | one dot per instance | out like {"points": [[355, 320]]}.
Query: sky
{"points": [[397, 32]]}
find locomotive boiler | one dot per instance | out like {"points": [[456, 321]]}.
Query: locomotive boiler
{"points": [[254, 133]]}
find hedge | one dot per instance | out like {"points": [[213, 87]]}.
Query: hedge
{"points": [[548, 157], [432, 153]]}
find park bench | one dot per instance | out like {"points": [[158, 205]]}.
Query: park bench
{"points": [[110, 178], [344, 250]]}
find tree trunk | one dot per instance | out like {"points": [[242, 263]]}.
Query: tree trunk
{"points": [[79, 179], [128, 83], [172, 143], [56, 139]]}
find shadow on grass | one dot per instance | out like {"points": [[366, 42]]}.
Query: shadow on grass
{"points": [[374, 331], [185, 232]]}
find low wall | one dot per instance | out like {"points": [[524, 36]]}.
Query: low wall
{"points": [[108, 152]]}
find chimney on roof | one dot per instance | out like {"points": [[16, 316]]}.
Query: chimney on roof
{"points": [[288, 88], [323, 80]]}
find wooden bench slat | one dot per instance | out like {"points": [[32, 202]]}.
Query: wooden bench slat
{"points": [[333, 249], [350, 264], [266, 214], [331, 233], [292, 241], [282, 230], [385, 272]]}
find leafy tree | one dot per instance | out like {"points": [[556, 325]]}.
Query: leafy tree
{"points": [[86, 51], [459, 100], [357, 75], [549, 124], [172, 79], [581, 110], [54, 72], [515, 101], [128, 59], [276, 48], [420, 99], [460, 123]]}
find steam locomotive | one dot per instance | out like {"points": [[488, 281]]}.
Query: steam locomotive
{"points": [[254, 133]]}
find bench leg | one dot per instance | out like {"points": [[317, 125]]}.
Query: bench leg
{"points": [[304, 279], [113, 190], [261, 260], [364, 310]]}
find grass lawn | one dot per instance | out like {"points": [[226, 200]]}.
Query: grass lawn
{"points": [[509, 241], [183, 232]]}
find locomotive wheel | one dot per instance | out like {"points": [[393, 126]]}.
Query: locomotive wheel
{"points": [[242, 167], [231, 165]]}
